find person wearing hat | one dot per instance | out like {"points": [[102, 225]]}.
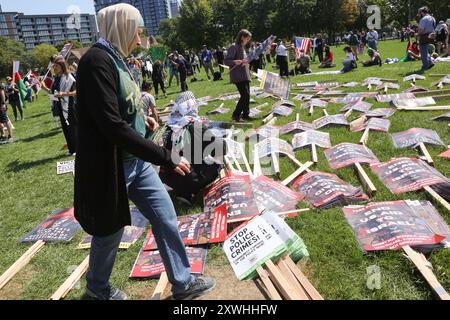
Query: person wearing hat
{"points": [[114, 161], [375, 59], [426, 35]]}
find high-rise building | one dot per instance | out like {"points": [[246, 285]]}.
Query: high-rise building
{"points": [[153, 11], [175, 8], [51, 29]]}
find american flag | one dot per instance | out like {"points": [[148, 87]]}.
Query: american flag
{"points": [[302, 43]]}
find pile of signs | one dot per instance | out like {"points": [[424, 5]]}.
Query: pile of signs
{"points": [[196, 231], [267, 247], [402, 225]]}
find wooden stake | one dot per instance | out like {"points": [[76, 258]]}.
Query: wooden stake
{"points": [[298, 163], [422, 264], [365, 136], [325, 112], [437, 197], [257, 171], [275, 164], [311, 110], [312, 292], [435, 108], [244, 158], [272, 291], [365, 180], [268, 118], [70, 282], [272, 121], [297, 172], [160, 287], [285, 288], [20, 263], [289, 276], [314, 153], [297, 117], [348, 113], [424, 151]]}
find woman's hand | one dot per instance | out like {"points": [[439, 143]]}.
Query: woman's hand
{"points": [[151, 123], [238, 62], [183, 167]]}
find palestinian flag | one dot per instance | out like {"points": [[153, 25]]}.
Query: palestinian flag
{"points": [[22, 88]]}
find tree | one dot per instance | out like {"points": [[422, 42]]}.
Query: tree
{"points": [[41, 54], [197, 25], [169, 31], [10, 50]]}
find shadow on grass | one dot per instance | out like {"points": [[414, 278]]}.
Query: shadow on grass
{"points": [[38, 115], [48, 134], [17, 166]]}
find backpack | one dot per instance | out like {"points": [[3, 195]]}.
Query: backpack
{"points": [[217, 76]]}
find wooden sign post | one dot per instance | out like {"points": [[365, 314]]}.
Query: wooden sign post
{"points": [[20, 263], [365, 180], [160, 287], [423, 265], [70, 282], [424, 151]]}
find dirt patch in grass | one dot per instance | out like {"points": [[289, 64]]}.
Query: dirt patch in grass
{"points": [[17, 285]]}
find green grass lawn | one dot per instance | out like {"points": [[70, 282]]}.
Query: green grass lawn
{"points": [[337, 267]]}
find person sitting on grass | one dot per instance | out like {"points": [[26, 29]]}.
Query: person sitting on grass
{"points": [[413, 53], [149, 105], [350, 61], [328, 60], [303, 63], [375, 59]]}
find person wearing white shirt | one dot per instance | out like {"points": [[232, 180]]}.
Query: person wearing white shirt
{"points": [[282, 60]]}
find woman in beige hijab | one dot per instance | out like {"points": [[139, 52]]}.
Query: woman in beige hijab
{"points": [[113, 162]]}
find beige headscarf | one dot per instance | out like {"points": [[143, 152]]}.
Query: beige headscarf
{"points": [[118, 25]]}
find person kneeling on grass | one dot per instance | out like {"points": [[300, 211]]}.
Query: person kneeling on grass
{"points": [[189, 135], [113, 161], [303, 63], [375, 59], [328, 60]]}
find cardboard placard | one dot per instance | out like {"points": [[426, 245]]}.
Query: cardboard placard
{"points": [[64, 167], [346, 154], [398, 96], [392, 225], [360, 106], [197, 229], [325, 190], [378, 124], [443, 117], [336, 119], [274, 84], [236, 192], [149, 264], [60, 226], [295, 127], [415, 136], [402, 175], [414, 103], [380, 113], [251, 245], [271, 146], [310, 137]]}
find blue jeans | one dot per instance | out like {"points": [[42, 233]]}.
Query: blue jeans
{"points": [[425, 56], [174, 73], [149, 195]]}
